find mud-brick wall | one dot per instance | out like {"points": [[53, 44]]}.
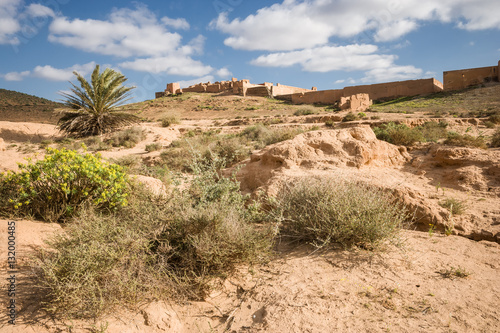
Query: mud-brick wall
{"points": [[463, 78], [213, 88], [280, 89], [199, 88], [317, 97], [396, 89], [261, 91]]}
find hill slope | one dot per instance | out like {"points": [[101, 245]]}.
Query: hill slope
{"points": [[17, 106]]}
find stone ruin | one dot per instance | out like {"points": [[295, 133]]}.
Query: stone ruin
{"points": [[356, 98]]}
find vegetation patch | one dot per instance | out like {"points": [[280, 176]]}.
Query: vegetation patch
{"points": [[401, 134], [56, 187], [327, 211], [153, 248], [127, 138], [465, 140]]}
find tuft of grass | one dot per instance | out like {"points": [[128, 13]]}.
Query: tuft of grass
{"points": [[495, 119], [153, 147], [329, 123], [304, 111], [350, 117], [495, 139], [465, 140], [127, 138], [456, 207], [170, 120], [262, 135], [454, 272], [327, 211]]}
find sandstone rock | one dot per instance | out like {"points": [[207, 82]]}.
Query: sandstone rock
{"points": [[2, 144], [155, 185], [351, 147]]}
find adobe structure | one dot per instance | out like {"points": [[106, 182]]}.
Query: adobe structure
{"points": [[353, 97], [463, 78]]}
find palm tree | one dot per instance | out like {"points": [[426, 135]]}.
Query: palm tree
{"points": [[95, 104]]}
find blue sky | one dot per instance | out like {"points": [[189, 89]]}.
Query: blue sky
{"points": [[324, 43]]}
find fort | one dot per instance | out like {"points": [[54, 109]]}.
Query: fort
{"points": [[352, 97]]}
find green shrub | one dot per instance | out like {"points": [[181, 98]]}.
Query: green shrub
{"points": [[58, 186], [170, 120], [263, 136], [154, 248], [153, 147], [350, 117], [326, 211], [456, 207], [95, 143], [361, 115], [304, 111], [329, 123], [398, 134], [489, 124], [127, 138], [495, 139], [433, 131], [495, 118], [465, 140]]}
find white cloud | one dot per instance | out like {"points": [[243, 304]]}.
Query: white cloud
{"points": [[394, 30], [179, 23], [16, 76], [9, 24], [339, 81], [135, 33], [364, 57], [172, 65], [187, 83], [224, 73], [299, 24], [392, 73], [37, 10], [66, 74]]}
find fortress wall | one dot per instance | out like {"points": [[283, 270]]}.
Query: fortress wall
{"points": [[261, 91], [199, 88], [317, 97], [463, 78], [281, 89], [213, 88], [396, 89]]}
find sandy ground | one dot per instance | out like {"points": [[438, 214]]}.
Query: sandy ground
{"points": [[405, 289]]}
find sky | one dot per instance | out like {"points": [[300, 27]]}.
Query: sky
{"points": [[328, 44]]}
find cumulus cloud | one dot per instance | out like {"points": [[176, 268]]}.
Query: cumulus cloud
{"points": [[9, 24], [65, 74], [224, 73], [299, 24], [173, 65], [356, 57], [135, 33], [179, 23], [50, 73], [37, 10], [16, 76]]}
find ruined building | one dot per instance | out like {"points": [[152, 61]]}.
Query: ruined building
{"points": [[354, 97]]}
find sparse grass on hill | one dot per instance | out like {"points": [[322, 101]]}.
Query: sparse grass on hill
{"points": [[465, 140]]}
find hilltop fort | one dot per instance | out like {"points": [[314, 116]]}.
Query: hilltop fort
{"points": [[353, 97]]}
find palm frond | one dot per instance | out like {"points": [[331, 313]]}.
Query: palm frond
{"points": [[95, 103]]}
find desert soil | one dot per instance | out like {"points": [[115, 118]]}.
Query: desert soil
{"points": [[432, 283]]}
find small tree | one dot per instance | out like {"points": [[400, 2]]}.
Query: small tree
{"points": [[95, 104]]}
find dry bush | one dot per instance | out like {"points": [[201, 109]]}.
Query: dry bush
{"points": [[325, 211]]}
